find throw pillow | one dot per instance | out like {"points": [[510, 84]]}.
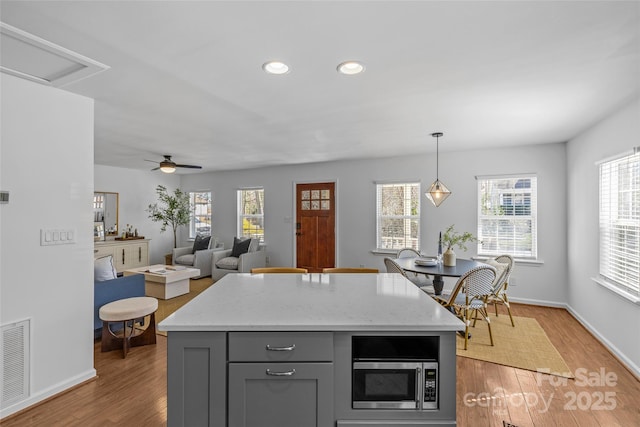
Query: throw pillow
{"points": [[103, 269], [201, 243], [240, 247], [228, 263]]}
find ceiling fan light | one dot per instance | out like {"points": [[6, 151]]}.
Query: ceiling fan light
{"points": [[167, 167]]}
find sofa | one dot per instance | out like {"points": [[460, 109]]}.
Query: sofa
{"points": [[224, 261], [107, 287], [199, 255]]}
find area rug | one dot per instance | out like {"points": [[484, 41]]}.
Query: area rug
{"points": [[525, 346], [168, 306]]}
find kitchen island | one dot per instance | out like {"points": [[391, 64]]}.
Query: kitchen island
{"points": [[276, 350]]}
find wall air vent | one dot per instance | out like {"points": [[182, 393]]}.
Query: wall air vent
{"points": [[30, 57], [14, 366]]}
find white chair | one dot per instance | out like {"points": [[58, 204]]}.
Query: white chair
{"points": [[419, 281], [414, 277], [191, 256], [503, 265], [224, 263], [477, 285]]}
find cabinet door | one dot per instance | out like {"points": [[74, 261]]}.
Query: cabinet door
{"points": [[120, 254], [137, 255], [281, 394]]}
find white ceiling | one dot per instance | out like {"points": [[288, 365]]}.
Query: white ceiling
{"points": [[186, 77]]}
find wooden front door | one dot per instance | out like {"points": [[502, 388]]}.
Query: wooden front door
{"points": [[315, 226]]}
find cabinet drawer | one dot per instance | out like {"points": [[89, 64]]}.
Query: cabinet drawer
{"points": [[280, 346], [99, 252]]}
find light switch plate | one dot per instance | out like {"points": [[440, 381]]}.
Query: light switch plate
{"points": [[57, 236]]}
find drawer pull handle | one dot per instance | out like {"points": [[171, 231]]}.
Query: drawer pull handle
{"points": [[281, 374], [288, 348]]}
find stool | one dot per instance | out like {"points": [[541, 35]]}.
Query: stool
{"points": [[126, 311]]}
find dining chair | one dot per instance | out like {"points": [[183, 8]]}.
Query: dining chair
{"points": [[411, 253], [424, 285], [504, 266], [407, 253], [266, 270], [350, 270], [475, 286]]}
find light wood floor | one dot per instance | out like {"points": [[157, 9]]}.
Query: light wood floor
{"points": [[132, 392]]}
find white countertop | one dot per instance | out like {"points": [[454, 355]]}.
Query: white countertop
{"points": [[312, 302]]}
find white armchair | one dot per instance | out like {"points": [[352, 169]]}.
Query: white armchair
{"points": [[223, 263], [200, 259]]}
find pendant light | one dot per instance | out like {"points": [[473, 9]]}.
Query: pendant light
{"points": [[438, 192]]}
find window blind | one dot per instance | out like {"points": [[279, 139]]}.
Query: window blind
{"points": [[398, 215], [251, 213], [620, 222], [507, 216], [200, 222]]}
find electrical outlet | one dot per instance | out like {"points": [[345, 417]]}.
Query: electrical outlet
{"points": [[266, 259], [513, 282]]}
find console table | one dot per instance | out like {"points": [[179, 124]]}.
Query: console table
{"points": [[126, 253]]}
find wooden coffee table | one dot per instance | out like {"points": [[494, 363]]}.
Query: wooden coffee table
{"points": [[166, 284]]}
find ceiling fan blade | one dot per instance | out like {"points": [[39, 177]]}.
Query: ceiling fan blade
{"points": [[152, 161], [189, 166], [155, 169]]}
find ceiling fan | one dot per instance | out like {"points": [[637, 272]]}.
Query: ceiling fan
{"points": [[169, 166]]}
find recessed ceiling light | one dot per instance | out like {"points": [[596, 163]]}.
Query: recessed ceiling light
{"points": [[350, 68], [275, 67]]}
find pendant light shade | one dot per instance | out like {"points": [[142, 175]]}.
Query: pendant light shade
{"points": [[438, 192]]}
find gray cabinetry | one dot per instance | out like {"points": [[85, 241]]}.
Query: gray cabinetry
{"points": [[281, 394], [196, 379], [280, 379]]}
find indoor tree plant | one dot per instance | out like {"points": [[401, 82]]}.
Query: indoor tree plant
{"points": [[453, 238], [171, 210]]}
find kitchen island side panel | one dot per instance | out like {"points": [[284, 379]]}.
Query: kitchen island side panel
{"points": [[196, 379]]}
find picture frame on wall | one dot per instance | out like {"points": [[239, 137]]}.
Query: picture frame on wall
{"points": [[98, 231]]}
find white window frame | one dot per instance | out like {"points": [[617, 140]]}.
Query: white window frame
{"points": [[250, 217], [497, 195], [197, 212], [619, 224], [383, 245]]}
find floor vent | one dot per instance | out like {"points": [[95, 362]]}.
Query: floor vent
{"points": [[508, 424], [14, 369]]}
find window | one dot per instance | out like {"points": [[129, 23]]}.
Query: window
{"points": [[507, 216], [398, 216], [620, 222], [200, 213], [251, 213]]}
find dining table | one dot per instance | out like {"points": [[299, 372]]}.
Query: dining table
{"points": [[438, 270]]}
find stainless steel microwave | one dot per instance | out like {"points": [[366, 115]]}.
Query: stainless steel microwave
{"points": [[410, 385]]}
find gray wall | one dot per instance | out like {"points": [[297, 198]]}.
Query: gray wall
{"points": [[356, 226], [612, 318], [136, 190]]}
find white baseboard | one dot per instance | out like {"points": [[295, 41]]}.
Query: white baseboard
{"points": [[622, 358], [542, 303], [47, 393]]}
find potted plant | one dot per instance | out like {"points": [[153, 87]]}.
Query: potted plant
{"points": [[453, 238], [171, 210]]}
